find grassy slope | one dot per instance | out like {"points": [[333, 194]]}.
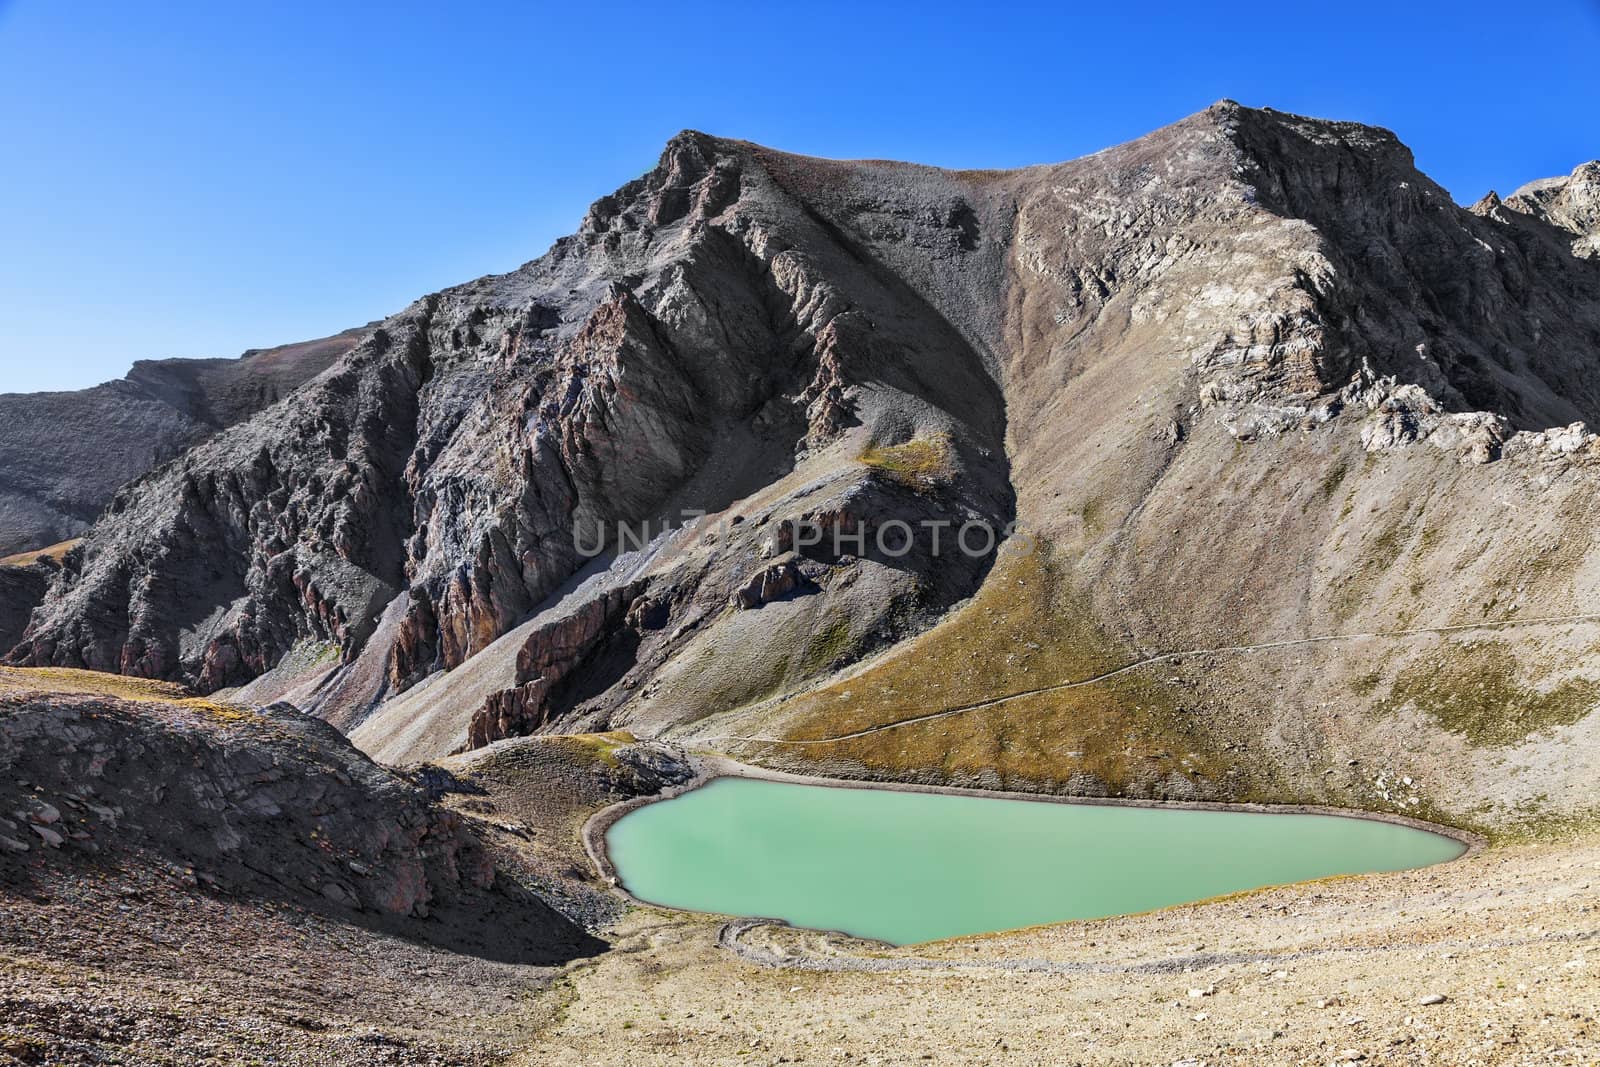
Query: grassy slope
{"points": [[16, 681], [55, 551], [1024, 630]]}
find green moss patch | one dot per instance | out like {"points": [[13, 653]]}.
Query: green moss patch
{"points": [[1378, 555], [1366, 684], [1476, 690], [1333, 479], [826, 646], [921, 463]]}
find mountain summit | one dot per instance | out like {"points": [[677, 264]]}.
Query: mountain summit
{"points": [[1250, 385]]}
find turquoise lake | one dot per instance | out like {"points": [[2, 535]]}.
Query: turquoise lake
{"points": [[905, 867]]}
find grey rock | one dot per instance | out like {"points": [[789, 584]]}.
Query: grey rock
{"points": [[340, 895], [47, 835], [652, 767], [184, 778], [1571, 203], [64, 454], [21, 590], [776, 579]]}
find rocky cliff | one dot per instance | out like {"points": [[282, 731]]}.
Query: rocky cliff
{"points": [[21, 589], [63, 455], [703, 338], [267, 804], [1571, 203], [1283, 426]]}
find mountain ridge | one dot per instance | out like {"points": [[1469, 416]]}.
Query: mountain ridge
{"points": [[1245, 376], [53, 489]]}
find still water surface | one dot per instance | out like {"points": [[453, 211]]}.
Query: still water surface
{"points": [[906, 867]]}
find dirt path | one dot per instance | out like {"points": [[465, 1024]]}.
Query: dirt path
{"points": [[733, 938], [1549, 620]]}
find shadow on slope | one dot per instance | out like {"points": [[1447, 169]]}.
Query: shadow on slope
{"points": [[268, 804]]}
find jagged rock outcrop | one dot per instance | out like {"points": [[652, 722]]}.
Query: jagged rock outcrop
{"points": [[775, 579], [266, 803], [1384, 275], [547, 656], [1572, 203]]}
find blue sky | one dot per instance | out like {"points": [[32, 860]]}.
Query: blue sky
{"points": [[187, 179]]}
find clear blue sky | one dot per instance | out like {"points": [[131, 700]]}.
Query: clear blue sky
{"points": [[199, 178]]}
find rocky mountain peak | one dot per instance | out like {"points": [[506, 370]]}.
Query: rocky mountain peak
{"points": [[1571, 203], [696, 172], [1437, 283]]}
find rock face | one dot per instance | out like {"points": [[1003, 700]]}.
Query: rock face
{"points": [[1572, 203], [63, 455], [547, 656], [702, 337], [21, 589], [1250, 377], [778, 578], [270, 803]]}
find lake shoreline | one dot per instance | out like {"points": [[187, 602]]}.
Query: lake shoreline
{"points": [[711, 767]]}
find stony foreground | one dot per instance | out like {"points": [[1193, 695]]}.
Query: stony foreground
{"points": [[126, 941], [142, 968], [1311, 974], [183, 881]]}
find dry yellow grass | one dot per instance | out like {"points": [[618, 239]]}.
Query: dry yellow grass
{"points": [[17, 681], [601, 747], [921, 463], [1024, 630], [27, 559]]}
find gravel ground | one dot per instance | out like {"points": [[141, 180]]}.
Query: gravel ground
{"points": [[126, 958], [1334, 971], [131, 967]]}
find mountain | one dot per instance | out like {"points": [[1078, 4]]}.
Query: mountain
{"points": [[63, 454], [438, 475], [1572, 203], [1287, 454]]}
